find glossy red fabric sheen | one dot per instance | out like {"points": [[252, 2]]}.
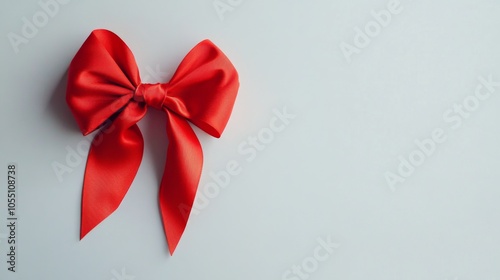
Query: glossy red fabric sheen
{"points": [[105, 93]]}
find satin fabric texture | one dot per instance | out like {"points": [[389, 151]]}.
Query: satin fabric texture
{"points": [[105, 94]]}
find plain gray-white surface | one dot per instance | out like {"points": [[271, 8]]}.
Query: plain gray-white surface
{"points": [[420, 89]]}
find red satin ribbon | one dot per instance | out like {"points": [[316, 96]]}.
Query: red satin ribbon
{"points": [[104, 84]]}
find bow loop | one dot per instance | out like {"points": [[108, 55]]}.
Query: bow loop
{"points": [[208, 82], [102, 78]]}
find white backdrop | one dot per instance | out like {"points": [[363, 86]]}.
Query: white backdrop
{"points": [[385, 167]]}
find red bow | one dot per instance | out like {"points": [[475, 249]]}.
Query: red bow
{"points": [[104, 84]]}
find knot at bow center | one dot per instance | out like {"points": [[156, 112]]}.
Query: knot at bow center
{"points": [[153, 95]]}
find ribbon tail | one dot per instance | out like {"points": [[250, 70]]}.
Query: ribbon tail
{"points": [[180, 178], [114, 158]]}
